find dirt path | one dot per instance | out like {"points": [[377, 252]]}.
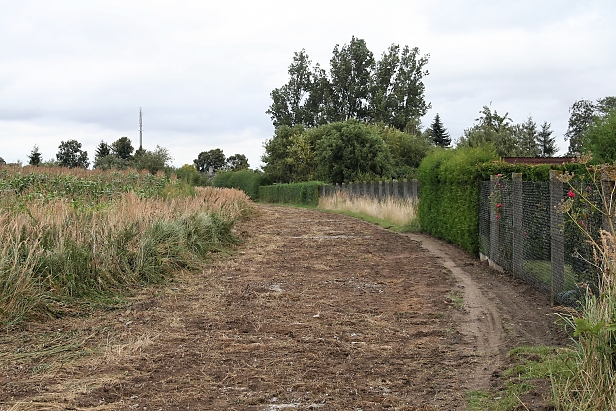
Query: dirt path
{"points": [[314, 311]]}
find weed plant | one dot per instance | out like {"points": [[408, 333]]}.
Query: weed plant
{"points": [[73, 244], [399, 212], [592, 383]]}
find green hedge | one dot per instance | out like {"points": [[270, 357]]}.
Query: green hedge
{"points": [[449, 181], [246, 180], [298, 193], [449, 199]]}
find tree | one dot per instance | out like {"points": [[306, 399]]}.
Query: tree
{"points": [[71, 155], [2, 162], [491, 129], [152, 161], [103, 149], [583, 114], [355, 87], [526, 136], [350, 75], [277, 153], [290, 101], [123, 148], [407, 150], [438, 133], [213, 158], [350, 151], [35, 157], [237, 162], [545, 141], [398, 88], [600, 138]]}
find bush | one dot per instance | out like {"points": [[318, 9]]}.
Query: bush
{"points": [[299, 193], [246, 180]]}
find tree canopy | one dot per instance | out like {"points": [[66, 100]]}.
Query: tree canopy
{"points": [[509, 139], [71, 155], [600, 138], [583, 113], [342, 151], [213, 158], [389, 90]]}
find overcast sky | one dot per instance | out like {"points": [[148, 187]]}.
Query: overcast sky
{"points": [[202, 71]]}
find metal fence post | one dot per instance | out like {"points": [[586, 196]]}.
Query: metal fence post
{"points": [[380, 190], [405, 188], [518, 229], [494, 235], [395, 184], [557, 235]]}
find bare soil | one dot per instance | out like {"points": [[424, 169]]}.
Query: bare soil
{"points": [[313, 311]]}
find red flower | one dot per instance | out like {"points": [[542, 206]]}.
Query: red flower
{"points": [[499, 205], [571, 194]]}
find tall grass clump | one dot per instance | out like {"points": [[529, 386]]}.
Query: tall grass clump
{"points": [[397, 212], [55, 249], [592, 385]]}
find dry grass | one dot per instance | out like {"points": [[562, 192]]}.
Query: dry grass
{"points": [[398, 211], [52, 249]]}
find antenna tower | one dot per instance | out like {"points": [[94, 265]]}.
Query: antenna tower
{"points": [[140, 131]]}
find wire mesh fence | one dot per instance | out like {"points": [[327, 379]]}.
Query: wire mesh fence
{"points": [[522, 230]]}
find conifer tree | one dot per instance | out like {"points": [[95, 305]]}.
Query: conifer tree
{"points": [[35, 157], [545, 141], [438, 133]]}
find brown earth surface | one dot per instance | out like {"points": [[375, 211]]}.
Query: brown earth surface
{"points": [[314, 310]]}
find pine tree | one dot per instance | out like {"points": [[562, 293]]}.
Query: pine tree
{"points": [[439, 134], [545, 141], [35, 157]]}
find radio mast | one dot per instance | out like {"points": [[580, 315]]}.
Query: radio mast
{"points": [[140, 131]]}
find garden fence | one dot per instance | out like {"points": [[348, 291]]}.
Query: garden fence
{"points": [[375, 189], [523, 231]]}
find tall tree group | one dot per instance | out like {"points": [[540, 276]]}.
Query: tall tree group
{"points": [[389, 91], [509, 139], [216, 160]]}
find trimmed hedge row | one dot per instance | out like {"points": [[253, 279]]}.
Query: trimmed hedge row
{"points": [[449, 181], [449, 200], [246, 180], [298, 193]]}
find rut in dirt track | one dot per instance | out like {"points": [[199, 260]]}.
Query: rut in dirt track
{"points": [[315, 311]]}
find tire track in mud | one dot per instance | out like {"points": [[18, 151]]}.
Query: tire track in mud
{"points": [[482, 321]]}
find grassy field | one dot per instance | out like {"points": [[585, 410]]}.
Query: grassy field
{"points": [[75, 235]]}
